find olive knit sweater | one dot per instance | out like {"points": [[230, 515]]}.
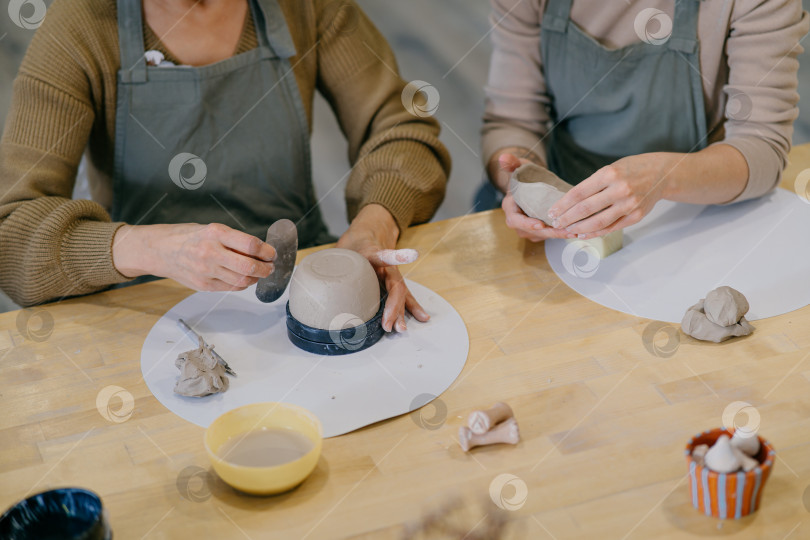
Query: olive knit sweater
{"points": [[64, 103]]}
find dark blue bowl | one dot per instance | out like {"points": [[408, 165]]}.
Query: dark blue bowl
{"points": [[59, 514]]}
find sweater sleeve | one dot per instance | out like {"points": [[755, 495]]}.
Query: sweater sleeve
{"points": [[517, 103], [761, 97], [396, 157], [50, 246]]}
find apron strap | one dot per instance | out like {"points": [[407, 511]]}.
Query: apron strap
{"points": [[684, 36], [557, 15], [271, 28], [130, 41]]}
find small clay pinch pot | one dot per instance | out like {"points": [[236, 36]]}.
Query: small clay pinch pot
{"points": [[536, 189]]}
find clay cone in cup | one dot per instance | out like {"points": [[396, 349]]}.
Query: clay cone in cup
{"points": [[727, 496]]}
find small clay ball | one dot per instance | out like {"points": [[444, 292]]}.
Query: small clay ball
{"points": [[725, 306], [334, 289], [695, 323]]}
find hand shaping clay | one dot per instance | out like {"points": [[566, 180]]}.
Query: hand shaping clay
{"points": [[332, 286], [725, 304], [505, 432], [283, 236], [536, 189], [200, 373], [482, 421]]}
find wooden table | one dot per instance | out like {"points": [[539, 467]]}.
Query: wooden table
{"points": [[604, 421]]}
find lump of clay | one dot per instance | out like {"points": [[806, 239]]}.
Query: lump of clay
{"points": [[200, 373], [725, 306], [724, 456], [283, 236], [748, 444], [605, 245], [746, 462], [333, 287], [722, 304], [536, 189], [721, 457], [699, 454]]}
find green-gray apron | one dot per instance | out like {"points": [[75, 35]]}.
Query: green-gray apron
{"points": [[612, 103], [224, 143]]}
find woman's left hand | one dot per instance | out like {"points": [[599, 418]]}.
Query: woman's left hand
{"points": [[373, 234], [615, 196]]}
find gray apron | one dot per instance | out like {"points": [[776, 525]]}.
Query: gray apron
{"points": [[224, 143], [611, 103]]}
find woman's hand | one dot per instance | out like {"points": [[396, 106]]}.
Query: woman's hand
{"points": [[525, 226], [373, 234], [203, 257], [615, 196]]}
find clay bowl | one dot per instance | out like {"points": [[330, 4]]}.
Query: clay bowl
{"points": [[65, 513], [335, 303], [731, 495], [270, 415], [536, 189]]}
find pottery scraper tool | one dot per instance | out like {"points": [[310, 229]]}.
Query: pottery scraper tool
{"points": [[283, 236]]}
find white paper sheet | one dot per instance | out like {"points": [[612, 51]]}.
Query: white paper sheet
{"points": [[398, 374], [679, 252]]}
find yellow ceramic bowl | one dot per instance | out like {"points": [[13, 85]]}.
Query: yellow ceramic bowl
{"points": [[270, 415]]}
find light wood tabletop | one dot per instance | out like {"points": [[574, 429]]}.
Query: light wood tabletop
{"points": [[603, 418]]}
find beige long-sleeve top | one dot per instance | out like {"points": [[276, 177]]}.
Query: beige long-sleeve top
{"points": [[64, 101], [747, 47]]}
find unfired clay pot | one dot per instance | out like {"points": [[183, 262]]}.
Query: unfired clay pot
{"points": [[536, 190], [331, 286]]}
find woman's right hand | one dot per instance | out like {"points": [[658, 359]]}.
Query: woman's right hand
{"points": [[526, 227], [203, 257]]}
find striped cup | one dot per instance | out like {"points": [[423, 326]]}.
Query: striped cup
{"points": [[731, 495]]}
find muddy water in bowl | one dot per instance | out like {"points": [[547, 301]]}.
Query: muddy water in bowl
{"points": [[269, 425], [266, 448]]}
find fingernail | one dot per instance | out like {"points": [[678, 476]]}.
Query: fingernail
{"points": [[537, 227], [570, 236], [581, 236], [555, 223]]}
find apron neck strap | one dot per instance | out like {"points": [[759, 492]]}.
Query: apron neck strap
{"points": [[684, 36], [271, 31], [556, 16], [130, 41], [271, 27]]}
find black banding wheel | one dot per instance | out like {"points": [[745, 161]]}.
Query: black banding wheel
{"points": [[336, 342]]}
